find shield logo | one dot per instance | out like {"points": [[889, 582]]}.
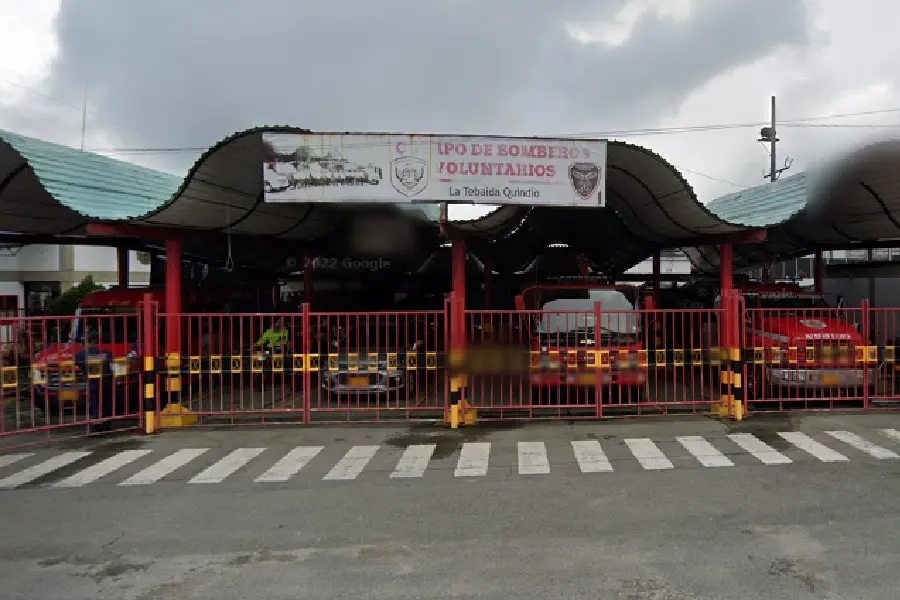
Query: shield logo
{"points": [[813, 323], [584, 177], [408, 175]]}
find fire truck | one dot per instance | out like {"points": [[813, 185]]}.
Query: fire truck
{"points": [[113, 316], [583, 332], [798, 340]]}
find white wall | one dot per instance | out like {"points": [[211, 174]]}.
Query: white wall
{"points": [[101, 258], [37, 257], [673, 266]]}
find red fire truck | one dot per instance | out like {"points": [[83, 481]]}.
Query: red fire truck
{"points": [[582, 331], [114, 316], [799, 341]]}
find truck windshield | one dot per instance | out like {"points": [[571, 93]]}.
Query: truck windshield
{"points": [[113, 325], [617, 314]]}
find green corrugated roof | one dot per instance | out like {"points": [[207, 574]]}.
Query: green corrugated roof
{"points": [[765, 205], [93, 185], [100, 187]]}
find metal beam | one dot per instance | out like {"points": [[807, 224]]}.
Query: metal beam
{"points": [[24, 239], [140, 232]]}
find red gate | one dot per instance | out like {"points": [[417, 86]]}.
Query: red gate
{"points": [[64, 376], [308, 367]]}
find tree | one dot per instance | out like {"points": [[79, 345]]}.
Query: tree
{"points": [[68, 301]]}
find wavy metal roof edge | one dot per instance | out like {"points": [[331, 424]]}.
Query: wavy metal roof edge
{"points": [[15, 142], [664, 162], [710, 209]]}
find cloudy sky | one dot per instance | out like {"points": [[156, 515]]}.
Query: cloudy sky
{"points": [[173, 76]]}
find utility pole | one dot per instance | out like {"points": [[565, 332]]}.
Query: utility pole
{"points": [[769, 134], [84, 114]]}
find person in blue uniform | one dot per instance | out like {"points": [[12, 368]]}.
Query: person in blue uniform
{"points": [[99, 390]]}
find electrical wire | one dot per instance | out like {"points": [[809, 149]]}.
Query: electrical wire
{"points": [[710, 177], [617, 133], [805, 122]]}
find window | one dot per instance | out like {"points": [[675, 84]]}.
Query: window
{"points": [[620, 317], [113, 325]]}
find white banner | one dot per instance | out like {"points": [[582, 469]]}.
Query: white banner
{"points": [[326, 167]]}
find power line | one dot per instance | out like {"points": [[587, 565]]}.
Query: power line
{"points": [[800, 122], [710, 177]]}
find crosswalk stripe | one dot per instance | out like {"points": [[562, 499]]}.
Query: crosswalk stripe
{"points": [[703, 451], [648, 454], [473, 459], [807, 444], [41, 469], [8, 459], [232, 461], [891, 433], [765, 453], [164, 467], [290, 464], [104, 467], [414, 461], [590, 457], [862, 444], [533, 458], [352, 464]]}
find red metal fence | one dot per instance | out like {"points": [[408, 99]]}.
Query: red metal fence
{"points": [[64, 374]]}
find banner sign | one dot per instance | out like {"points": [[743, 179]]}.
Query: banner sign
{"points": [[389, 168]]}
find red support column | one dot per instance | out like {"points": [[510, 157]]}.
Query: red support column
{"points": [[731, 373], [458, 334], [657, 276], [174, 293], [307, 278], [488, 280], [819, 273], [122, 266], [726, 276]]}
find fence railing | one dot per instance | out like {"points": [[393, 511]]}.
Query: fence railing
{"points": [[64, 374]]}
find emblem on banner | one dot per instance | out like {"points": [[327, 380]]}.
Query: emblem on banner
{"points": [[584, 177], [408, 175]]}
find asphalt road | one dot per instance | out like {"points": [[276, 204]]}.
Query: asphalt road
{"points": [[806, 529]]}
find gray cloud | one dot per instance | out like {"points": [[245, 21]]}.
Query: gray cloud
{"points": [[187, 73]]}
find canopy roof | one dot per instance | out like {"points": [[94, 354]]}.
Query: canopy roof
{"points": [[50, 189], [847, 202]]}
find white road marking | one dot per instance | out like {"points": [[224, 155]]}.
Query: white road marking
{"points": [[168, 465], [533, 458], [232, 461], [414, 461], [8, 459], [807, 444], [648, 454], [290, 464], [891, 433], [104, 467], [765, 453], [352, 464], [590, 457], [703, 451], [473, 459], [39, 470], [863, 445]]}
